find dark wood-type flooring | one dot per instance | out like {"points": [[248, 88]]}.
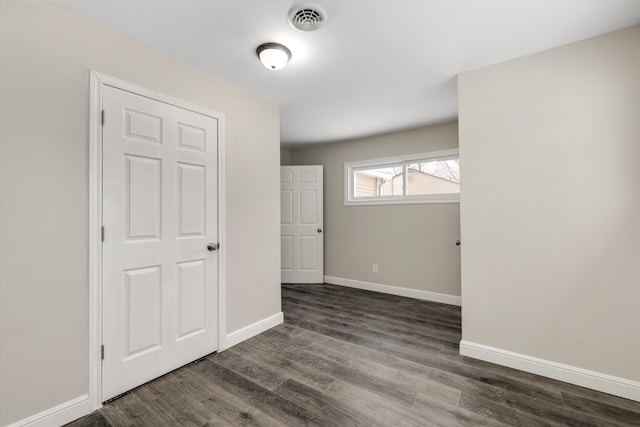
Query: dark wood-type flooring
{"points": [[346, 357]]}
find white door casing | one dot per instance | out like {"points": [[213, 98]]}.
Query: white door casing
{"points": [[301, 224], [160, 210]]}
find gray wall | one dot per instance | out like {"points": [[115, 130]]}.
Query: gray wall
{"points": [[45, 55], [550, 208], [412, 244], [285, 157]]}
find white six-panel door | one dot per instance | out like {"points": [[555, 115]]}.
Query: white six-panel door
{"points": [[159, 213], [301, 223]]}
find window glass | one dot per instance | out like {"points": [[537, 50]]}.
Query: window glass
{"points": [[423, 178], [379, 181], [433, 177]]}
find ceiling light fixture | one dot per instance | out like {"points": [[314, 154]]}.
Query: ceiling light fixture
{"points": [[274, 56]]}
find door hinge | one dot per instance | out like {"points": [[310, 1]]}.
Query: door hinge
{"points": [[102, 352], [102, 233], [102, 117]]}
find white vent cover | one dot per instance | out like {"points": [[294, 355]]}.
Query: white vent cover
{"points": [[307, 17]]}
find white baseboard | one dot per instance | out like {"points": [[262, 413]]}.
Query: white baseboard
{"points": [[58, 415], [254, 329], [395, 290], [594, 380]]}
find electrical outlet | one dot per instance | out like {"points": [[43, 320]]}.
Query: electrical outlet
{"points": [[375, 268]]}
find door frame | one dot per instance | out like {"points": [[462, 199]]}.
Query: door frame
{"points": [[97, 82]]}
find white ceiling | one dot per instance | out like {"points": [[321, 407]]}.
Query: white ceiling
{"points": [[376, 66]]}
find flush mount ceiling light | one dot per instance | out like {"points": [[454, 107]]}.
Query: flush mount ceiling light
{"points": [[273, 55]]}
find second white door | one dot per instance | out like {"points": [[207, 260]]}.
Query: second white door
{"points": [[160, 280], [301, 224]]}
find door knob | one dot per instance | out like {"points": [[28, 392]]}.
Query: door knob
{"points": [[319, 230], [457, 242], [213, 246]]}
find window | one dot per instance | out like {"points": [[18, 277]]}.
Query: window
{"points": [[422, 178]]}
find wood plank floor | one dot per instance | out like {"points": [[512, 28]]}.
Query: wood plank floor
{"points": [[346, 357]]}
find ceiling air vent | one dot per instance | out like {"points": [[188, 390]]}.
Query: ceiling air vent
{"points": [[307, 17]]}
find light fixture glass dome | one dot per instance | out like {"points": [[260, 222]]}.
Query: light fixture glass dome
{"points": [[273, 56]]}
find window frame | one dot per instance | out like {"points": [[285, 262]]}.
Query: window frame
{"points": [[351, 167]]}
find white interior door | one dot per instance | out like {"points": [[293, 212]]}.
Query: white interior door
{"points": [[159, 214], [301, 222]]}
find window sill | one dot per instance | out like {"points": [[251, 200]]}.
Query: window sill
{"points": [[405, 201]]}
